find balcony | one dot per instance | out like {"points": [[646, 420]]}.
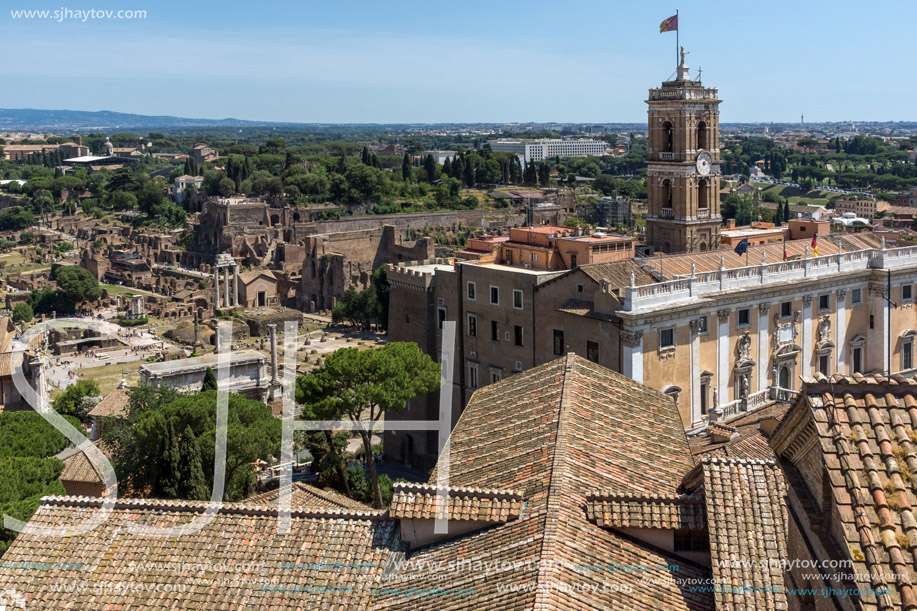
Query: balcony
{"points": [[703, 213], [666, 213], [666, 156]]}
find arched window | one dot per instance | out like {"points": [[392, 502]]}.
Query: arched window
{"points": [[784, 377], [703, 193], [667, 137], [703, 247], [702, 136]]}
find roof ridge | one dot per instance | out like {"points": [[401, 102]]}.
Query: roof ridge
{"points": [[426, 487], [554, 498], [181, 505], [739, 461]]}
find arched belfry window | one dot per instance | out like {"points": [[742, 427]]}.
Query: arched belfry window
{"points": [[702, 136], [667, 137]]}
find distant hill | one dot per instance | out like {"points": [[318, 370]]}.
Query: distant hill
{"points": [[30, 119]]}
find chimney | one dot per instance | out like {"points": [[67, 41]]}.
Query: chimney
{"points": [[78, 140], [730, 223]]}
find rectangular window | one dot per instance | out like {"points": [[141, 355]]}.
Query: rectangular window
{"points": [[702, 324], [573, 266], [667, 338], [744, 317], [856, 297], [579, 287], [703, 399], [907, 355], [495, 295], [495, 375], [824, 302], [534, 257], [823, 363], [857, 360], [517, 300], [440, 317], [592, 351], [786, 309], [517, 331], [558, 342], [494, 331], [472, 375], [688, 540], [472, 325], [907, 292], [471, 291]]}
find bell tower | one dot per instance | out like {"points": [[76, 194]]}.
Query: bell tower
{"points": [[683, 165]]}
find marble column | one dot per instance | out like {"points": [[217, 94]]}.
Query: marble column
{"points": [[763, 335], [235, 284], [807, 344], [226, 286], [216, 287], [840, 333], [722, 356], [632, 365]]}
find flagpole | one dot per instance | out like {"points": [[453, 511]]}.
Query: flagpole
{"points": [[676, 37]]}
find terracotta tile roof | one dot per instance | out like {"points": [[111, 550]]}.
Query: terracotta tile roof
{"points": [[8, 362], [583, 307], [238, 561], [612, 511], [680, 265], [114, 405], [556, 433], [307, 497], [617, 273], [866, 429], [78, 468], [750, 440], [747, 518], [421, 501]]}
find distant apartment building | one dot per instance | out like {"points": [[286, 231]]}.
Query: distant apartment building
{"points": [[182, 183], [538, 150], [862, 208], [21, 151], [908, 198], [203, 152], [439, 157]]}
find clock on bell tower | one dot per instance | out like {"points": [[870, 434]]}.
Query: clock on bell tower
{"points": [[683, 166]]}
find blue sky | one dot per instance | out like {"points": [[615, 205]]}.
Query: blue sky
{"points": [[489, 61]]}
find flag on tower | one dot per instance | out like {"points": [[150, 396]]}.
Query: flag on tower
{"points": [[668, 25], [815, 244]]}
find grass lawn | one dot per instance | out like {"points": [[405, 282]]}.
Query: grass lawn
{"points": [[795, 195], [109, 376]]}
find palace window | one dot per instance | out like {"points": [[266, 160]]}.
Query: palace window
{"points": [[743, 317], [667, 338], [856, 297], [786, 309], [824, 302]]}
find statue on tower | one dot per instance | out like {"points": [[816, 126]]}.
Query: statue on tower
{"points": [[683, 53]]}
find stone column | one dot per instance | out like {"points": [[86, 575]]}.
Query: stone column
{"points": [[840, 333], [722, 356], [763, 335], [226, 286], [632, 365], [38, 383], [695, 372], [274, 371], [216, 287], [235, 284], [806, 336]]}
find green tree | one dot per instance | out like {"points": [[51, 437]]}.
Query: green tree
{"points": [[192, 483], [406, 172], [148, 452], [429, 166], [366, 384], [77, 399], [77, 284], [382, 289], [210, 380], [22, 312]]}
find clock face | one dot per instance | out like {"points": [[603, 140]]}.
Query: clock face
{"points": [[704, 163]]}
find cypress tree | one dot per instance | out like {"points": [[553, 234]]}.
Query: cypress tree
{"points": [[210, 381], [169, 463], [192, 485], [406, 168], [447, 167]]}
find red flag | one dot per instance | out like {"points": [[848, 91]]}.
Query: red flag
{"points": [[784, 246], [669, 25], [815, 243]]}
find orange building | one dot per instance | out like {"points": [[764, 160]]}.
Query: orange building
{"points": [[806, 228], [757, 233], [549, 247]]}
